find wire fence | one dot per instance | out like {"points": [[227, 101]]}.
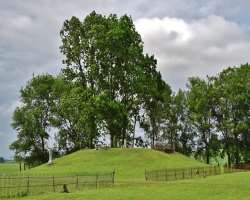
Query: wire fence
{"points": [[186, 173], [19, 186], [243, 166]]}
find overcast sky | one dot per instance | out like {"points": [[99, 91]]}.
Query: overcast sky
{"points": [[188, 37]]}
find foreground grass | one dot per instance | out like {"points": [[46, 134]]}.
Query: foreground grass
{"points": [[129, 164], [222, 187], [9, 168]]}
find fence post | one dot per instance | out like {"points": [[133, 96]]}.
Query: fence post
{"points": [[76, 181], [53, 179], [175, 174], [183, 173], [113, 177], [191, 173], [28, 184], [166, 175], [145, 174], [96, 181], [20, 166]]}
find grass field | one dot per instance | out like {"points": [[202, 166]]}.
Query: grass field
{"points": [[223, 187], [129, 164], [9, 168]]}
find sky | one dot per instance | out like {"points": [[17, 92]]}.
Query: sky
{"points": [[188, 38]]}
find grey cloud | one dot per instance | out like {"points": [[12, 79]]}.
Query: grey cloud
{"points": [[29, 40], [200, 47]]}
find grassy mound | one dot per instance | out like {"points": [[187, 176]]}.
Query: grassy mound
{"points": [[129, 164]]}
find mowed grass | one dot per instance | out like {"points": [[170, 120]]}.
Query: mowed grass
{"points": [[9, 168], [222, 187], [129, 164]]}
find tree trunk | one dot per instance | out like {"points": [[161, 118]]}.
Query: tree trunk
{"points": [[172, 142], [208, 159], [133, 144], [153, 141], [124, 137], [153, 133], [207, 155], [229, 159], [237, 152], [91, 145], [113, 143], [43, 145]]}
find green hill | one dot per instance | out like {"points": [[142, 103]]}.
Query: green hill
{"points": [[129, 164]]}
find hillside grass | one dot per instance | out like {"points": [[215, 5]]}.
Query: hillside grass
{"points": [[130, 183], [129, 164], [222, 187]]}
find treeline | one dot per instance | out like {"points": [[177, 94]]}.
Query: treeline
{"points": [[109, 86], [2, 160]]}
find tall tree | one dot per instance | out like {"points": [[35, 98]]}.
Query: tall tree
{"points": [[200, 105], [178, 130], [32, 119], [105, 53], [73, 115], [155, 103], [232, 111]]}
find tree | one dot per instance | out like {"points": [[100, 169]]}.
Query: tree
{"points": [[200, 105], [114, 117], [31, 119], [178, 130], [101, 90], [155, 102], [105, 54], [232, 111], [2, 160], [73, 115]]}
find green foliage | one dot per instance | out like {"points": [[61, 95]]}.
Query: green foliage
{"points": [[201, 105], [2, 160], [100, 91], [105, 54], [178, 130], [32, 119], [108, 86], [232, 111], [74, 115], [156, 102]]}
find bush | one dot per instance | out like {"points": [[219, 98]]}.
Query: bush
{"points": [[2, 160]]}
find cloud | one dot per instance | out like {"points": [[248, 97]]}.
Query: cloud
{"points": [[196, 48], [185, 42]]}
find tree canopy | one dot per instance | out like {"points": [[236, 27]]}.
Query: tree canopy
{"points": [[108, 87]]}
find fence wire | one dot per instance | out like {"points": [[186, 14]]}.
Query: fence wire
{"points": [[19, 186], [186, 173]]}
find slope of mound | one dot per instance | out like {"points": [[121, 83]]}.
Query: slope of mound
{"points": [[128, 163]]}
